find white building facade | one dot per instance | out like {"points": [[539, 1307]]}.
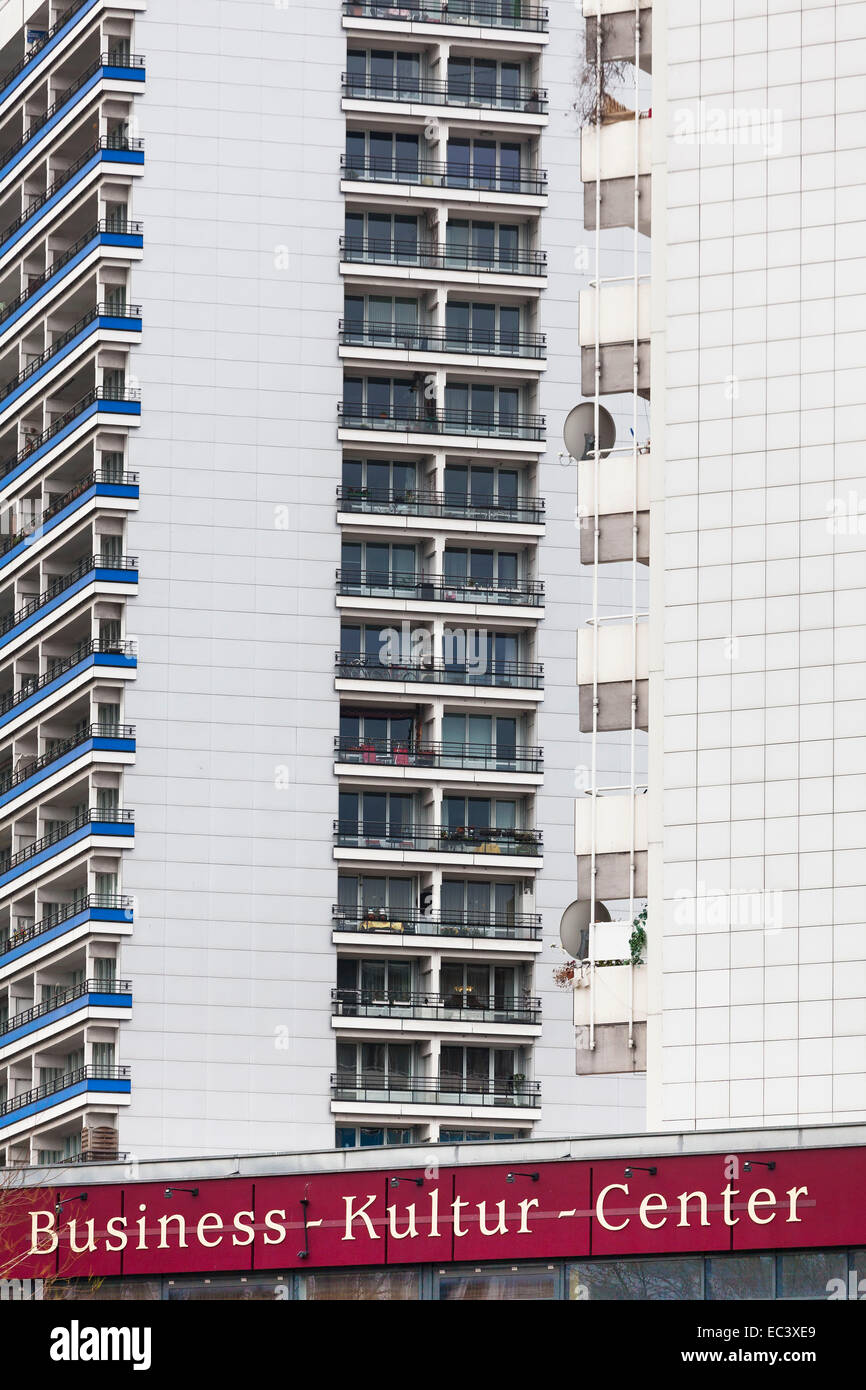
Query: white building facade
{"points": [[292, 735]]}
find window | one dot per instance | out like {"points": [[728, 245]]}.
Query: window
{"points": [[362, 1285], [483, 82], [350, 1137], [377, 566], [636, 1279], [379, 155], [468, 986], [373, 983], [381, 73], [376, 818], [370, 483], [479, 740], [469, 1136], [388, 401], [482, 327], [482, 245], [740, 1276], [514, 1282], [382, 238], [495, 572], [368, 736], [484, 164], [806, 1274], [479, 1069], [377, 902], [470, 907], [382, 321], [481, 489], [375, 1066]]}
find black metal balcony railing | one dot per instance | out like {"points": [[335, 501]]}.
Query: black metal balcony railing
{"points": [[105, 142], [60, 829], [435, 589], [112, 902], [463, 1005], [118, 59], [65, 581], [427, 255], [366, 1086], [491, 14], [453, 92], [64, 994], [58, 665], [383, 501], [119, 311], [116, 394], [438, 839], [96, 1071], [429, 173], [35, 282], [353, 666], [99, 475], [394, 753], [435, 339], [37, 46], [514, 926], [491, 424], [61, 748]]}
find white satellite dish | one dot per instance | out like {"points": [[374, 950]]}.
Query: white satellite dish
{"points": [[574, 927], [579, 431]]}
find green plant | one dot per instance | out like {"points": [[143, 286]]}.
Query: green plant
{"points": [[637, 940]]}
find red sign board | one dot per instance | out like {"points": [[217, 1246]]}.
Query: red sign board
{"points": [[611, 1208]]}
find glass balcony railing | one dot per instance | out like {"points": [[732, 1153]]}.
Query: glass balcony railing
{"points": [[427, 754], [436, 589], [366, 1087], [491, 424], [498, 343], [460, 1005], [530, 183], [487, 14], [513, 926], [453, 92], [438, 839], [422, 502], [428, 256], [527, 675]]}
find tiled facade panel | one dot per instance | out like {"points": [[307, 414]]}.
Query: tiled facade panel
{"points": [[764, 997], [231, 1045]]}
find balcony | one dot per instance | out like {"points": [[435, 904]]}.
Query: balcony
{"points": [[426, 92], [483, 424], [607, 151], [430, 755], [606, 664], [62, 670], [114, 149], [433, 174], [427, 255], [623, 309], [111, 909], [432, 340], [527, 593], [112, 233], [485, 14], [95, 1077], [100, 483], [124, 402], [372, 501], [124, 66], [96, 994], [623, 486], [95, 738], [489, 925], [439, 839], [125, 319], [90, 569], [366, 1088], [502, 674], [43, 47], [613, 822], [464, 1007], [618, 31], [64, 835]]}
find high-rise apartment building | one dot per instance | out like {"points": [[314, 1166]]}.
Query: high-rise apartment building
{"points": [[290, 731], [745, 172]]}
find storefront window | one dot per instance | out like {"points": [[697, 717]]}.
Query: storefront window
{"points": [[806, 1274], [365, 1285], [525, 1282], [236, 1288], [636, 1279], [98, 1290], [741, 1276]]}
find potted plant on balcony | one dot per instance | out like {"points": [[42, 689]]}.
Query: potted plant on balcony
{"points": [[637, 940], [563, 975]]}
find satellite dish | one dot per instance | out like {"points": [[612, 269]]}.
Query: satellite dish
{"points": [[574, 927], [579, 431]]}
